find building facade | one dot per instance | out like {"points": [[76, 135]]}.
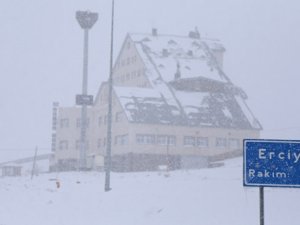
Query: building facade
{"points": [[172, 105]]}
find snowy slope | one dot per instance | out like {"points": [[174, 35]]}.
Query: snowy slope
{"points": [[208, 196]]}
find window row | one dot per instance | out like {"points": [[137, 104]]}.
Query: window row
{"points": [[155, 139], [128, 76], [125, 62], [102, 120], [64, 145], [118, 117], [188, 141], [167, 140], [65, 123]]}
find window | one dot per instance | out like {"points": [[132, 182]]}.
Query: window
{"points": [[221, 142], [122, 78], [234, 143], [53, 142], [202, 142], [128, 76], [78, 123], [166, 140], [116, 79], [139, 73], [189, 141], [64, 123], [100, 121], [133, 59], [121, 139], [133, 74], [63, 145], [145, 139], [105, 119], [104, 142], [78, 145], [99, 143], [118, 117]]}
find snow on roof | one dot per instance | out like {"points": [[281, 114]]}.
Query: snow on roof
{"points": [[213, 109], [146, 105], [10, 165], [200, 95], [168, 52], [247, 112]]}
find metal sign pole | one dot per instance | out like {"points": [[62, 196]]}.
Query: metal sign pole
{"points": [[261, 206], [107, 162]]}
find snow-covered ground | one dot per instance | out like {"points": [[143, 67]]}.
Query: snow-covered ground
{"points": [[213, 196]]}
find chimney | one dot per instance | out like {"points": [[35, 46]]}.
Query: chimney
{"points": [[178, 73], [194, 34], [154, 32], [165, 52]]}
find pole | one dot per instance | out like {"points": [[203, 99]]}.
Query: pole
{"points": [[261, 206], [168, 159], [34, 162], [109, 115], [83, 119], [86, 20]]}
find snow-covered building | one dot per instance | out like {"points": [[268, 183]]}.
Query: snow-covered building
{"points": [[172, 104]]}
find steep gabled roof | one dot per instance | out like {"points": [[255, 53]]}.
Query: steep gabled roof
{"points": [[188, 85], [192, 57]]}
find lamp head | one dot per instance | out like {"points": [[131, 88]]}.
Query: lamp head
{"points": [[86, 19]]}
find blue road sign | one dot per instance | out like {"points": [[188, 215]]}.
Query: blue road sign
{"points": [[271, 163]]}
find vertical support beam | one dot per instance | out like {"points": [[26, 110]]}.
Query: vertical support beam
{"points": [[109, 115], [261, 206]]}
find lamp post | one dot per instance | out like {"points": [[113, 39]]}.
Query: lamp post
{"points": [[109, 115], [86, 20]]}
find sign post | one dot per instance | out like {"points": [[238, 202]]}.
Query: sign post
{"points": [[261, 206], [271, 163]]}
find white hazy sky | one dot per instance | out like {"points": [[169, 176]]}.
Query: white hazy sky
{"points": [[41, 56]]}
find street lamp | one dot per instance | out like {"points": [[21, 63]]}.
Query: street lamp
{"points": [[107, 161], [86, 20]]}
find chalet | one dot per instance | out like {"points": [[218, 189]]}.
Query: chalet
{"points": [[172, 105]]}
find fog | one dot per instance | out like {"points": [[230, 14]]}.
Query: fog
{"points": [[42, 45]]}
